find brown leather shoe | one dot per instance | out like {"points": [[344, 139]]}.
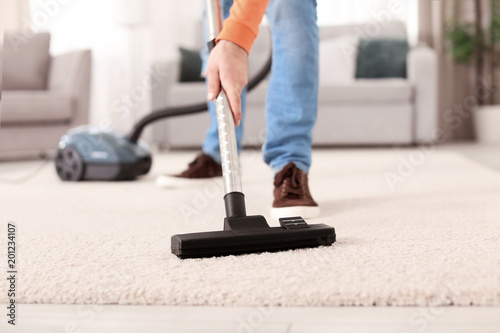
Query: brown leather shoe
{"points": [[291, 194], [204, 168]]}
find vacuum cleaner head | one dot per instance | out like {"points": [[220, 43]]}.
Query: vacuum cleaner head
{"points": [[251, 234], [91, 153]]}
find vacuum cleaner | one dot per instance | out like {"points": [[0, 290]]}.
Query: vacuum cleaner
{"points": [[242, 233], [88, 153]]}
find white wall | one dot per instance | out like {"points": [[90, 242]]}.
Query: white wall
{"points": [[174, 24], [361, 11]]}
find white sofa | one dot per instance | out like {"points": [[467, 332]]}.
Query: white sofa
{"points": [[351, 111], [43, 96]]}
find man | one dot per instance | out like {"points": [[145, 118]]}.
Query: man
{"points": [[291, 105]]}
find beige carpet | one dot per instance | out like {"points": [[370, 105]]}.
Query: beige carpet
{"points": [[432, 240]]}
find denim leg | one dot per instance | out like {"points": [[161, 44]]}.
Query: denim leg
{"points": [[292, 100], [211, 142]]}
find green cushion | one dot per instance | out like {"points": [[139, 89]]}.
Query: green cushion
{"points": [[190, 65], [381, 57]]}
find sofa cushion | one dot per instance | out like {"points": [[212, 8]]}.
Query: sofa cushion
{"points": [[186, 93], [381, 57], [337, 59], [29, 107], [362, 91], [26, 62], [190, 66]]}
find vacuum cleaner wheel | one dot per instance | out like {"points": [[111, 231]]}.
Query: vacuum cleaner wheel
{"points": [[69, 165]]}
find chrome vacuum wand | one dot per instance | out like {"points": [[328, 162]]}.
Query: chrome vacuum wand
{"points": [[234, 199]]}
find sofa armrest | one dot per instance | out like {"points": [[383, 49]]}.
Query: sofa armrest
{"points": [[423, 75], [165, 74], [70, 73]]}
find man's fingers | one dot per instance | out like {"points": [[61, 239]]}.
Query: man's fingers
{"points": [[235, 102], [228, 66], [213, 84]]}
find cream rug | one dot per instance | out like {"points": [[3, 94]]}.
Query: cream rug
{"points": [[426, 234]]}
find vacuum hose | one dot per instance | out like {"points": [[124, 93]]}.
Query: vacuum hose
{"points": [[190, 109]]}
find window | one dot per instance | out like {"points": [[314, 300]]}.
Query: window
{"points": [[332, 12]]}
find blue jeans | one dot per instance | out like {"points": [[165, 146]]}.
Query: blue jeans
{"points": [[292, 99]]}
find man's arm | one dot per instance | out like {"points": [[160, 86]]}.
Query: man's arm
{"points": [[242, 25], [228, 61]]}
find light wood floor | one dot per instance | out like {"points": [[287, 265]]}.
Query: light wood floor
{"points": [[41, 318]]}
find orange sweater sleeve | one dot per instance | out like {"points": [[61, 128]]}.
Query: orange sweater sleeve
{"points": [[242, 25]]}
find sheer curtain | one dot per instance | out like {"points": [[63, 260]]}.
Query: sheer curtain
{"points": [[14, 13], [90, 24], [456, 82]]}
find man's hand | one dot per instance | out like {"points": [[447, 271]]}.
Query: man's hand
{"points": [[228, 66]]}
